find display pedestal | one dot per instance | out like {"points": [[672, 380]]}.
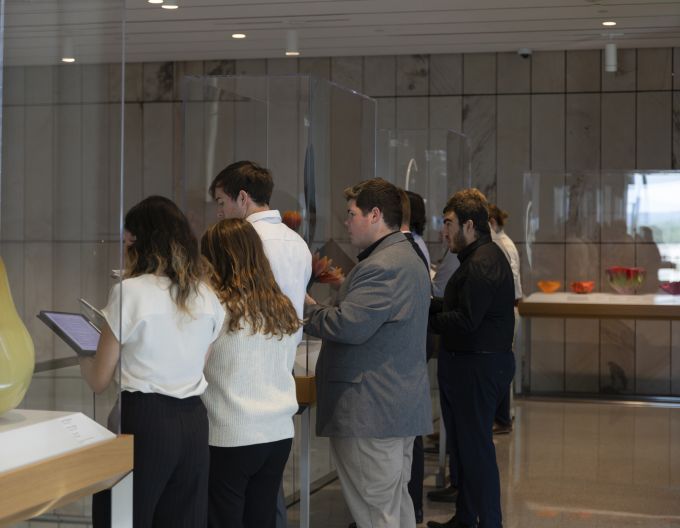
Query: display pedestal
{"points": [[49, 459]]}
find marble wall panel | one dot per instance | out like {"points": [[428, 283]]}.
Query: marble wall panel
{"points": [[675, 163], [348, 72], [96, 83], [219, 67], [318, 66], [614, 255], [68, 173], [583, 131], [513, 73], [97, 259], [479, 125], [96, 163], [547, 355], [387, 113], [652, 357], [446, 113], [286, 66], [69, 84], [39, 172], [66, 276], [380, 76], [157, 149], [196, 68], [675, 358], [582, 353], [39, 85], [654, 130], [583, 208], [250, 67], [13, 192], [39, 295], [513, 158], [479, 73], [617, 356], [582, 263], [446, 74], [547, 263], [547, 132], [618, 130], [616, 446], [651, 454], [134, 82], [583, 70], [625, 77], [159, 81], [647, 256], [412, 113], [547, 72], [133, 184], [676, 68], [654, 69], [413, 74], [13, 85]]}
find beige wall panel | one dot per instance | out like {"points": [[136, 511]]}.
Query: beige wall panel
{"points": [[625, 77], [652, 357], [13, 190], [547, 72], [348, 72], [318, 66], [479, 73], [618, 130], [96, 166], [13, 85], [69, 84], [39, 172], [216, 67], [547, 354], [194, 68], [248, 67], [134, 82], [583, 70], [446, 113], [583, 131], [514, 73], [159, 81], [157, 148], [617, 356], [286, 66], [654, 69], [133, 180], [513, 158], [39, 295], [547, 132], [582, 354], [39, 84], [412, 113], [387, 113], [446, 74], [68, 214], [413, 74], [479, 125], [96, 83], [654, 130], [380, 76]]}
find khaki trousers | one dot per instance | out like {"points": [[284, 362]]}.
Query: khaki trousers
{"points": [[374, 475]]}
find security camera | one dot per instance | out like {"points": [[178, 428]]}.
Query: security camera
{"points": [[525, 53]]}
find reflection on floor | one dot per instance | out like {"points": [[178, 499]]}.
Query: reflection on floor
{"points": [[568, 465]]}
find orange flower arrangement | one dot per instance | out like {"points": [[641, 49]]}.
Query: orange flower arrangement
{"points": [[324, 272]]}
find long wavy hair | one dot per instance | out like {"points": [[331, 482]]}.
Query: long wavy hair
{"points": [[243, 279], [164, 245]]}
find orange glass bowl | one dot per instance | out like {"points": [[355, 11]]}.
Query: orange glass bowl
{"points": [[582, 286], [671, 287], [548, 286], [625, 280], [292, 219]]}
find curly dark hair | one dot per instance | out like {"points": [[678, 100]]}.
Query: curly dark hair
{"points": [[470, 204], [164, 245], [245, 176]]}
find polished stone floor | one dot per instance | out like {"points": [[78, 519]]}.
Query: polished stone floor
{"points": [[568, 465]]}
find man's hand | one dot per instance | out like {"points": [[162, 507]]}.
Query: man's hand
{"points": [[309, 300]]}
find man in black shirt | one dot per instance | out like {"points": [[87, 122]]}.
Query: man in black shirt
{"points": [[476, 321]]}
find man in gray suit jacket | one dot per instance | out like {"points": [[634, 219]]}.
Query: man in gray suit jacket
{"points": [[372, 385]]}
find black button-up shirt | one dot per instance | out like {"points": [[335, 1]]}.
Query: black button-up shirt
{"points": [[476, 313]]}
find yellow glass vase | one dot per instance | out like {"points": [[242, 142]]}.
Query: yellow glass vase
{"points": [[17, 355]]}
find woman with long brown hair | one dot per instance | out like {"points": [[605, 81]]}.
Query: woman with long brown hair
{"points": [[162, 334], [251, 391]]}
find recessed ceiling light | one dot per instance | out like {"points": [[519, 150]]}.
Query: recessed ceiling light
{"points": [[608, 23], [68, 59], [155, 1], [170, 4], [238, 35], [292, 49], [292, 53]]}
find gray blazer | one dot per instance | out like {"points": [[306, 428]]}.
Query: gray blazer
{"points": [[371, 376]]}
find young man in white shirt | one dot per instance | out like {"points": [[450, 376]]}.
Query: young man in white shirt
{"points": [[243, 190]]}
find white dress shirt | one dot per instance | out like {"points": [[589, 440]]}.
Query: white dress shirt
{"points": [[508, 247], [288, 255]]}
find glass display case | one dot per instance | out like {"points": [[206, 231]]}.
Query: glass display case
{"points": [[317, 138], [604, 246], [60, 196]]}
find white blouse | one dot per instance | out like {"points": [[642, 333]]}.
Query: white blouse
{"points": [[162, 348]]}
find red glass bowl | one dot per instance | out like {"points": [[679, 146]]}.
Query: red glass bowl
{"points": [[625, 280], [582, 286], [671, 287]]}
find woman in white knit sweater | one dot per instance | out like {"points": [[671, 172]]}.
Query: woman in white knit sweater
{"points": [[251, 391]]}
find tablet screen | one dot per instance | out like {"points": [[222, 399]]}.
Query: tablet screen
{"points": [[76, 328]]}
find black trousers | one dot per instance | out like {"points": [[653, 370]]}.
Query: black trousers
{"points": [[473, 385], [503, 410], [415, 485], [244, 484], [447, 416], [171, 462]]}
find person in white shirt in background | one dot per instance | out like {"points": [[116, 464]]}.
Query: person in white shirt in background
{"points": [[251, 398], [243, 190], [161, 334], [497, 218]]}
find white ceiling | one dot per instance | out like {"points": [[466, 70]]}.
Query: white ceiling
{"points": [[37, 30]]}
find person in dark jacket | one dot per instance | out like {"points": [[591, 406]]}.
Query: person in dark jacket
{"points": [[476, 321]]}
